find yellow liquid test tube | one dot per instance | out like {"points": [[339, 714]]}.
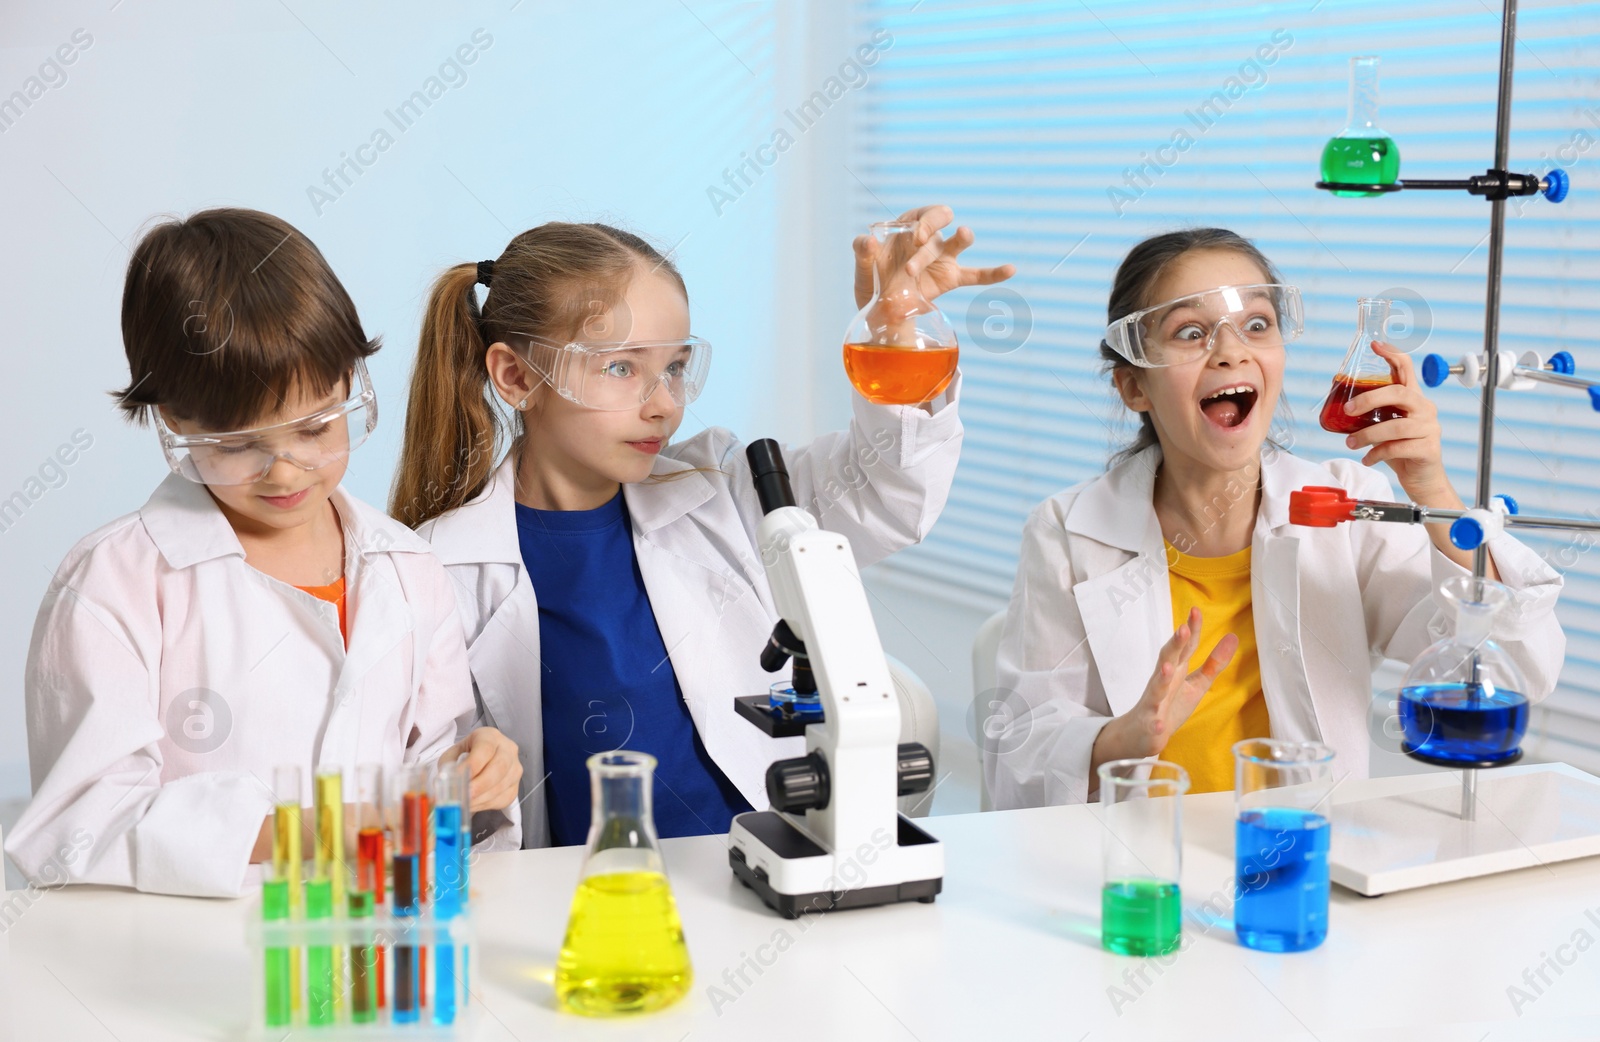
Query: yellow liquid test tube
{"points": [[287, 859], [328, 787]]}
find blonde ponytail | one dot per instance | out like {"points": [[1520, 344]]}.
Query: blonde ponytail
{"points": [[453, 434]]}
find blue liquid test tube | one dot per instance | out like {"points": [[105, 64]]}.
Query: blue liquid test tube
{"points": [[404, 994], [450, 847]]}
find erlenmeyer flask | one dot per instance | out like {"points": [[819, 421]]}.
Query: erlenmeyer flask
{"points": [[624, 951], [1363, 370], [1361, 154], [899, 349], [1461, 703]]}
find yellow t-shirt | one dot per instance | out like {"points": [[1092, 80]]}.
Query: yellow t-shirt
{"points": [[1233, 709]]}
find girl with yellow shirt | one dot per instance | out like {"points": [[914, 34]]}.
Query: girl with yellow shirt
{"points": [[1168, 608]]}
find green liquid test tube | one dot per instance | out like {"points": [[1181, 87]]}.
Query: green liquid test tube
{"points": [[328, 799], [275, 907], [287, 857], [363, 966], [319, 957], [1140, 917]]}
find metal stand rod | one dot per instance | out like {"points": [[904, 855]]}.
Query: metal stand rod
{"points": [[1491, 332]]}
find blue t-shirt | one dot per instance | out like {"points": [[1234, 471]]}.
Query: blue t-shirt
{"points": [[606, 679]]}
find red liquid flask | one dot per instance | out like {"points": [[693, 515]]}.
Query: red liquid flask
{"points": [[1363, 370]]}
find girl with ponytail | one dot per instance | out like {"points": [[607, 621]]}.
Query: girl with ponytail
{"points": [[607, 577]]}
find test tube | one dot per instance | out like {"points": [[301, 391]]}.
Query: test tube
{"points": [[330, 863], [414, 834], [364, 967], [287, 858], [328, 793], [320, 985], [406, 975], [286, 853], [372, 873], [1281, 789], [1140, 903], [450, 842], [274, 908]]}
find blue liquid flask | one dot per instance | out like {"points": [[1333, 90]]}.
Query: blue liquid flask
{"points": [[1461, 703]]}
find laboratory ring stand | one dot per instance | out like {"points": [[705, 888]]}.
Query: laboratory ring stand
{"points": [[1426, 829]]}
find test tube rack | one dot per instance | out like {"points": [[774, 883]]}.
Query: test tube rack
{"points": [[442, 945]]}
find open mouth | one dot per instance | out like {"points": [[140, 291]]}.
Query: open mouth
{"points": [[1229, 406]]}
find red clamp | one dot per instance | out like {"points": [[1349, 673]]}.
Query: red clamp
{"points": [[1321, 506]]}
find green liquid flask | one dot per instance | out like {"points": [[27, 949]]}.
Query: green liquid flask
{"points": [[1141, 808], [1361, 154], [1140, 917]]}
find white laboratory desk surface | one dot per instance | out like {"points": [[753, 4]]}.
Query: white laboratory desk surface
{"points": [[1009, 951]]}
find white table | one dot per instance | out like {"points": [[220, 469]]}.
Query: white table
{"points": [[1009, 951]]}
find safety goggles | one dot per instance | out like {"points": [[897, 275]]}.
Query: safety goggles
{"points": [[1262, 315], [245, 457], [619, 375]]}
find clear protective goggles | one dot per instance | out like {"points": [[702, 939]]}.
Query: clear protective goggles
{"points": [[620, 375], [1261, 315], [245, 457]]}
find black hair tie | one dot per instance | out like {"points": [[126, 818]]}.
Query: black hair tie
{"points": [[485, 271]]}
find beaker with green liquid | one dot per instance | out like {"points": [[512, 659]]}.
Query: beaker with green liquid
{"points": [[1361, 154], [1142, 844], [624, 951]]}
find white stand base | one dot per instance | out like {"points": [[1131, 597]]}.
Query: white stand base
{"points": [[1527, 815]]}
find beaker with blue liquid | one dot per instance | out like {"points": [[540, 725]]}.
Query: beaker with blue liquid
{"points": [[1281, 838]]}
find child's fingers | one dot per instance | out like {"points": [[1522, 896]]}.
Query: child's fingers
{"points": [[1392, 430], [1405, 371], [1378, 397], [1407, 448], [1216, 662]]}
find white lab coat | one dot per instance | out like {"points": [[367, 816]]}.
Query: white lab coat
{"points": [[1092, 606], [167, 678], [881, 483]]}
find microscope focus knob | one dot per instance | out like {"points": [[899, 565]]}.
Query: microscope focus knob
{"points": [[798, 785], [914, 768]]}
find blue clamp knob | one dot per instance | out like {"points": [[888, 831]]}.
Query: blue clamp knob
{"points": [[1435, 370], [1561, 362], [1511, 504], [1594, 398], [1466, 533], [1556, 183]]}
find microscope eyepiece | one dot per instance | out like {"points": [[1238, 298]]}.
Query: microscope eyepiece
{"points": [[770, 474]]}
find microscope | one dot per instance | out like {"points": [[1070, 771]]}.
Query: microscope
{"points": [[834, 837]]}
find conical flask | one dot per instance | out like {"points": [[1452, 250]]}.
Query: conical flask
{"points": [[899, 349], [624, 951], [1361, 154], [1363, 370], [1462, 702]]}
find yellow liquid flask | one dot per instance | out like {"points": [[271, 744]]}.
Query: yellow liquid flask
{"points": [[624, 950]]}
